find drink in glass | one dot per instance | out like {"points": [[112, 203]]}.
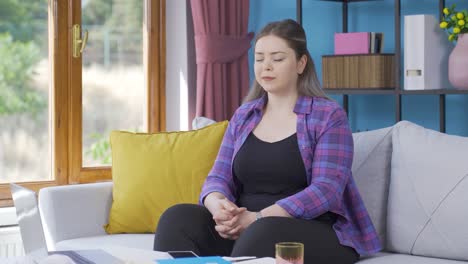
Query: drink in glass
{"points": [[289, 253]]}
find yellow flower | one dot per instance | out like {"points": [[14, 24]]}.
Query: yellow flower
{"points": [[453, 22]]}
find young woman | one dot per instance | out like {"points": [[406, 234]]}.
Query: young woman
{"points": [[283, 172]]}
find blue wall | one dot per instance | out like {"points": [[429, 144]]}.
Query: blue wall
{"points": [[322, 19]]}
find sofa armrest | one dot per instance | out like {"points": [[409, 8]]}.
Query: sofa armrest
{"points": [[74, 211]]}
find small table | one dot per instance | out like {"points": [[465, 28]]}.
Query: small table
{"points": [[127, 255], [137, 256]]}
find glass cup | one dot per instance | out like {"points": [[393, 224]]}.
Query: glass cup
{"points": [[289, 253]]}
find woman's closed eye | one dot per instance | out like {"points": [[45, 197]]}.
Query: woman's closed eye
{"points": [[275, 60]]}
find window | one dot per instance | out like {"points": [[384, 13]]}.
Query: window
{"points": [[56, 111]]}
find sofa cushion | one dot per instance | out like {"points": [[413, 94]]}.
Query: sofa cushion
{"points": [[201, 122], [76, 210], [140, 241], [407, 259], [152, 172], [428, 196], [371, 171]]}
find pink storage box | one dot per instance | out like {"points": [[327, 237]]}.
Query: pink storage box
{"points": [[352, 43]]}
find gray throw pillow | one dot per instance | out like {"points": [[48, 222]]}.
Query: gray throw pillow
{"points": [[428, 196]]}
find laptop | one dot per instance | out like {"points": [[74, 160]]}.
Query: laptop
{"points": [[32, 232]]}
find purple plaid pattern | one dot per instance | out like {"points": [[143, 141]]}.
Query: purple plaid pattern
{"points": [[326, 146]]}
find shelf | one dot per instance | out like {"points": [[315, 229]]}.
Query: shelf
{"points": [[350, 1], [434, 92], [362, 54], [371, 91], [360, 91]]}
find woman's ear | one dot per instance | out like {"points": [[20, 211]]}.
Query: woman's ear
{"points": [[301, 64]]}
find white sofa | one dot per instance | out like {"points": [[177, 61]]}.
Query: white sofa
{"points": [[414, 182]]}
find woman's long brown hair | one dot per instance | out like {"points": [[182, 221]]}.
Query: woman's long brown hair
{"points": [[294, 35]]}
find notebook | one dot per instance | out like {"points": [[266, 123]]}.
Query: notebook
{"points": [[194, 260]]}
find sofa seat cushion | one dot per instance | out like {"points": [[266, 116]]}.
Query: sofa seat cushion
{"points": [[428, 194], [139, 241], [407, 259]]}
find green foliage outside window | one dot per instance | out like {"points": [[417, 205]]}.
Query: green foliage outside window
{"points": [[24, 20], [115, 28], [16, 68], [21, 33], [100, 149]]}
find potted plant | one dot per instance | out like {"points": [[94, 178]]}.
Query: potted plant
{"points": [[455, 23]]}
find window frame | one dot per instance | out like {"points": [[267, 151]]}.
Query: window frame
{"points": [[65, 96]]}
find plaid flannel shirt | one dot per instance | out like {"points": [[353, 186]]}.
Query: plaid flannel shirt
{"points": [[326, 146]]}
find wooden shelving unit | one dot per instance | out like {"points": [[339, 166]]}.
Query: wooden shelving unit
{"points": [[396, 91]]}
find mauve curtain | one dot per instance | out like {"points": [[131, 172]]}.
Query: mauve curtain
{"points": [[221, 47]]}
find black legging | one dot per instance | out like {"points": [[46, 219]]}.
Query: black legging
{"points": [[191, 227]]}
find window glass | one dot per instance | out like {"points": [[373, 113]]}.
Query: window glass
{"points": [[25, 141], [113, 79]]}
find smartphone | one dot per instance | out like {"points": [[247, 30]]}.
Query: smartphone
{"points": [[182, 254]]}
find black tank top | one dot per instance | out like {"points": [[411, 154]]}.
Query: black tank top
{"points": [[268, 172]]}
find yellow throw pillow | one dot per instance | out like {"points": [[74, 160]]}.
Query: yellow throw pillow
{"points": [[152, 172]]}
